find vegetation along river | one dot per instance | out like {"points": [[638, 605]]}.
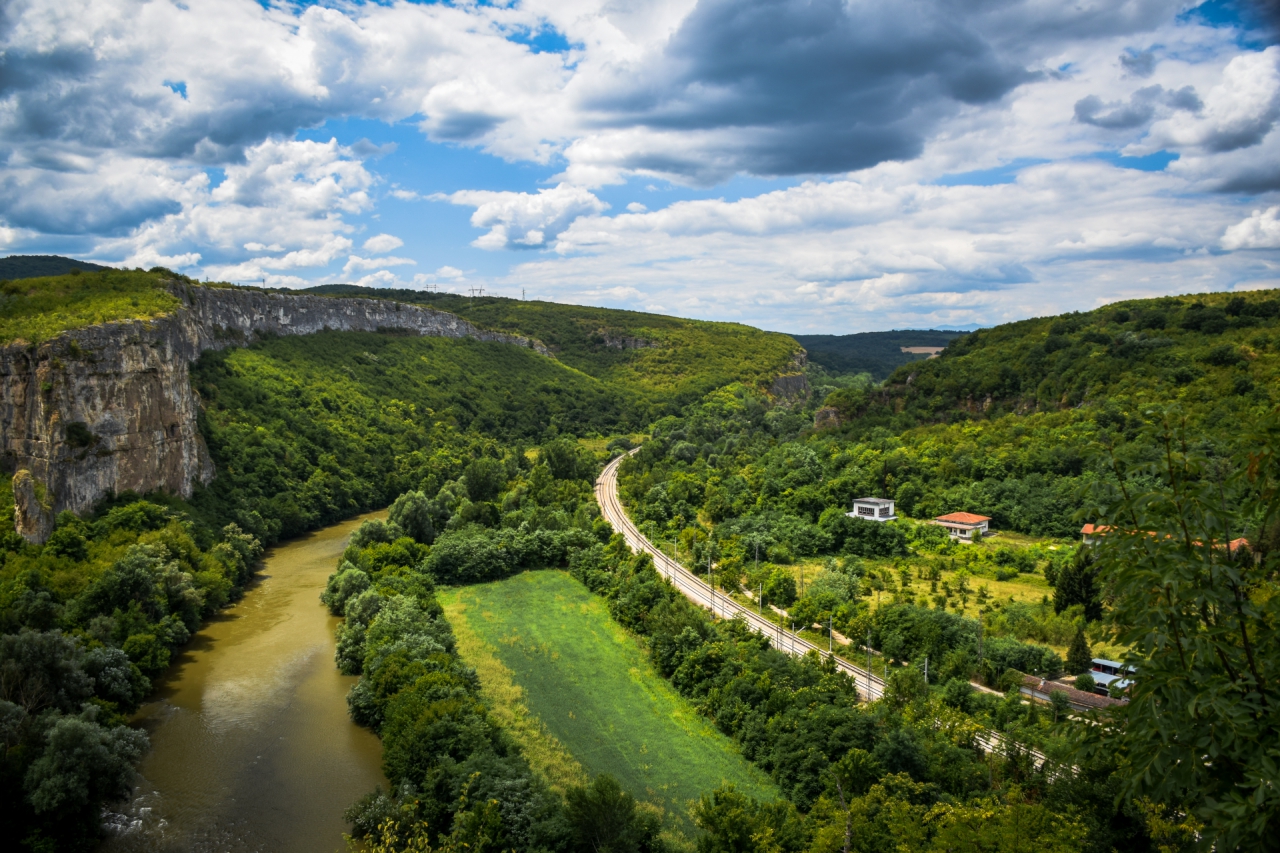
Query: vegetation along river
{"points": [[251, 745]]}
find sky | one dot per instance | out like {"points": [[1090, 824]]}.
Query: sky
{"points": [[808, 166]]}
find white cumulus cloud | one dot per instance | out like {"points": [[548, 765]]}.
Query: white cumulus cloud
{"points": [[355, 263], [525, 220], [1259, 231], [382, 243]]}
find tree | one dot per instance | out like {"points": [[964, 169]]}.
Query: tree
{"points": [[1202, 725], [605, 818], [411, 512], [84, 765], [780, 588], [1061, 704], [1079, 657], [1085, 682], [1077, 584], [732, 822]]}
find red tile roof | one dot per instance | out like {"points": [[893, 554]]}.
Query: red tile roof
{"points": [[1090, 529], [963, 518], [1078, 697]]}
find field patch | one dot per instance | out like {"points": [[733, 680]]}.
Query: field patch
{"points": [[592, 689]]}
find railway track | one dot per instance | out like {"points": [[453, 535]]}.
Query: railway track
{"points": [[870, 686]]}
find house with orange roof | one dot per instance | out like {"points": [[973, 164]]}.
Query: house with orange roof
{"points": [[1090, 533], [962, 525]]}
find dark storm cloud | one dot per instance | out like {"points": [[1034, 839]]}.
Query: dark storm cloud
{"points": [[812, 86], [75, 204], [1140, 109], [1139, 64]]}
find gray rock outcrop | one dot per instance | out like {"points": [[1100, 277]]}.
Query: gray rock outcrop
{"points": [[110, 408]]}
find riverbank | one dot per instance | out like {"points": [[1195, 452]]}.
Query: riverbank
{"points": [[251, 745]]}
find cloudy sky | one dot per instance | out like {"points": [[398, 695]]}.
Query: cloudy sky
{"points": [[801, 165]]}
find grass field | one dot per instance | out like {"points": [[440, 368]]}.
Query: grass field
{"points": [[36, 309], [593, 691]]}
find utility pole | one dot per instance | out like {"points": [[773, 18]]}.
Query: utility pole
{"points": [[831, 637], [711, 579], [981, 630], [761, 600], [926, 670], [868, 664]]}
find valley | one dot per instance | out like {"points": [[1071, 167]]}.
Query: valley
{"points": [[515, 676]]}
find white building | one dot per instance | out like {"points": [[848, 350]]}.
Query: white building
{"points": [[872, 509], [1108, 673]]}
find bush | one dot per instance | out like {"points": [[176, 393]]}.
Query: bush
{"points": [[780, 588], [1086, 683]]}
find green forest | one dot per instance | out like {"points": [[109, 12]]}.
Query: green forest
{"points": [[877, 354], [1154, 419]]}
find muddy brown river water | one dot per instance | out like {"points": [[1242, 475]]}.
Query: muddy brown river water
{"points": [[251, 745]]}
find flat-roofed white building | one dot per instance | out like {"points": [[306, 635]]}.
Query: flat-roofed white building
{"points": [[1108, 674], [872, 509]]}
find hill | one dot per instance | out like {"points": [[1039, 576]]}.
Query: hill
{"points": [[665, 362], [1217, 354], [876, 353], [36, 266]]}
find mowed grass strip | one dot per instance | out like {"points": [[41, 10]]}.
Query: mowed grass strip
{"points": [[507, 704], [592, 686]]}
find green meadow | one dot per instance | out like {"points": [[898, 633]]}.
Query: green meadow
{"points": [[593, 691]]}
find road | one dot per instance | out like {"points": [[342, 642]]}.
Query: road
{"points": [[701, 593]]}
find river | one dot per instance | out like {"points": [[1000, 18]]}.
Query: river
{"points": [[251, 746]]}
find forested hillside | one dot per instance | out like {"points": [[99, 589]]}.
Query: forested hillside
{"points": [[1216, 354], [33, 266], [664, 362], [874, 353]]}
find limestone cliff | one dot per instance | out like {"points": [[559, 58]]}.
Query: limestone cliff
{"points": [[792, 387], [110, 408]]}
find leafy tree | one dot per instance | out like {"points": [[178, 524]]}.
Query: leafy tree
{"points": [[1086, 682], [343, 585], [412, 513], [605, 819], [1060, 703], [732, 822], [1202, 725], [83, 765], [42, 670], [780, 588]]}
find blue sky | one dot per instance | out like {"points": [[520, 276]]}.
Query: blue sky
{"points": [[804, 165]]}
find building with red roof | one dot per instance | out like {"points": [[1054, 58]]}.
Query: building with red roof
{"points": [[962, 525]]}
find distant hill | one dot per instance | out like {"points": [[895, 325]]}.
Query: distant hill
{"points": [[667, 361], [38, 266], [877, 353]]}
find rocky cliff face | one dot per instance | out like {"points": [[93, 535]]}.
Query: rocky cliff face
{"points": [[110, 408], [793, 387]]}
